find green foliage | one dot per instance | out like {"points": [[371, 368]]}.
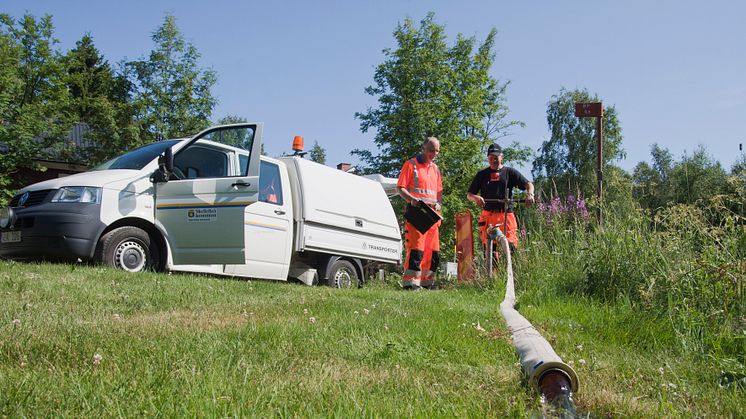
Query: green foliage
{"points": [[517, 153], [648, 186], [32, 94], [232, 119], [650, 183], [686, 266], [694, 180], [173, 94], [99, 103], [568, 158], [45, 96], [426, 88], [739, 167], [317, 153]]}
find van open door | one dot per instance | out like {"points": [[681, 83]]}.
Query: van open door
{"points": [[200, 201]]}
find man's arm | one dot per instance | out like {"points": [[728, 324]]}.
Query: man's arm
{"points": [[471, 193], [404, 193], [415, 202], [529, 193], [401, 185], [439, 196], [522, 183], [475, 199]]}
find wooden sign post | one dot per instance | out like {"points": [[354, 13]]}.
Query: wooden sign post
{"points": [[595, 109]]}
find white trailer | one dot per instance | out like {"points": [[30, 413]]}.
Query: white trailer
{"points": [[209, 204]]}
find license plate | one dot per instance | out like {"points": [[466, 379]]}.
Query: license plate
{"points": [[11, 236]]}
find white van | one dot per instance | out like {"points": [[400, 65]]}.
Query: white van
{"points": [[209, 204]]}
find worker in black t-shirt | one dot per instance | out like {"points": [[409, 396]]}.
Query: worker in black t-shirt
{"points": [[492, 189]]}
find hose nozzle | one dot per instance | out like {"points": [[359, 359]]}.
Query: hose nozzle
{"points": [[555, 385], [494, 232]]}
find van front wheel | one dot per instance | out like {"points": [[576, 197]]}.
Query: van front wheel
{"points": [[342, 274], [127, 248]]}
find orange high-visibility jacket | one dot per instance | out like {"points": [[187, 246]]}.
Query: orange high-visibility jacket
{"points": [[422, 181]]}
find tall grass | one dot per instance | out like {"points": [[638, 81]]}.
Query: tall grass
{"points": [[685, 267]]}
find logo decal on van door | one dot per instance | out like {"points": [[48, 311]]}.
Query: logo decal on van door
{"points": [[202, 214]]}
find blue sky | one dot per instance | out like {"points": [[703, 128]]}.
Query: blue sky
{"points": [[675, 70]]}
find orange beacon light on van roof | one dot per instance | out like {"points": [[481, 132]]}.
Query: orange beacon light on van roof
{"points": [[298, 143]]}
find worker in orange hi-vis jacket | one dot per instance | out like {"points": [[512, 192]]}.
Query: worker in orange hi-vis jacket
{"points": [[492, 190], [420, 184]]}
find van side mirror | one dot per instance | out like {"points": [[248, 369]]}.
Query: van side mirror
{"points": [[165, 166]]}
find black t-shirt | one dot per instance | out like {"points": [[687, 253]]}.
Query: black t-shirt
{"points": [[491, 184]]}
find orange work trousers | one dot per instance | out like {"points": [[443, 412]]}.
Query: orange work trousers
{"points": [[506, 222], [423, 256]]}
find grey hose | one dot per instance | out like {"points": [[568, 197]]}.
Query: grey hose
{"points": [[536, 354]]}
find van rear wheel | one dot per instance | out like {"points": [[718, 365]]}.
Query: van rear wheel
{"points": [[342, 274], [128, 248]]}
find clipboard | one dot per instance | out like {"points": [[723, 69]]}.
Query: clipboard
{"points": [[422, 217]]}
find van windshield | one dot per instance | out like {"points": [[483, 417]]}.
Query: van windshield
{"points": [[137, 158]]}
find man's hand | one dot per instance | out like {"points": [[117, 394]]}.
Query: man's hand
{"points": [[415, 202], [479, 200], [529, 200]]}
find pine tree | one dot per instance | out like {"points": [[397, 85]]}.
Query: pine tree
{"points": [[318, 154], [97, 106]]}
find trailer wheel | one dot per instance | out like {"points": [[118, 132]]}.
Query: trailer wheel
{"points": [[342, 274], [127, 248]]}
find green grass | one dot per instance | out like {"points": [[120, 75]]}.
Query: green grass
{"points": [[187, 345]]}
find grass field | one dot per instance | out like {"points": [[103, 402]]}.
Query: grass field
{"points": [[88, 341]]}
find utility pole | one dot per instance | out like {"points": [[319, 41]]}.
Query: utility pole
{"points": [[596, 109]]}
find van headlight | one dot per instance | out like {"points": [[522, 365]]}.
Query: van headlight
{"points": [[85, 194], [6, 217]]}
